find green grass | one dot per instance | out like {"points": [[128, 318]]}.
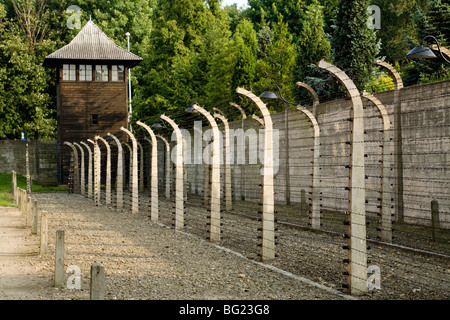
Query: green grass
{"points": [[6, 199]]}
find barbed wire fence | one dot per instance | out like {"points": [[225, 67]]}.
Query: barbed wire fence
{"points": [[318, 252]]}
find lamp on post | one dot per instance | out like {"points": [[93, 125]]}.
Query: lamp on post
{"points": [[422, 52], [271, 95]]}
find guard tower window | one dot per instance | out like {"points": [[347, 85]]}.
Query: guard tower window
{"points": [[69, 72], [117, 73], [101, 73], [85, 72], [94, 119]]}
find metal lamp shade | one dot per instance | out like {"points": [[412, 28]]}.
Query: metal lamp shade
{"points": [[268, 95], [421, 52]]}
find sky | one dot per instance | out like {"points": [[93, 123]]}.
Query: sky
{"points": [[240, 3]]}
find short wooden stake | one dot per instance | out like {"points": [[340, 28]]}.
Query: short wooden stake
{"points": [[98, 287], [28, 211], [44, 233], [435, 224], [59, 259], [34, 215]]}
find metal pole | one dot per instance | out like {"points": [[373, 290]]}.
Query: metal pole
{"points": [[130, 111]]}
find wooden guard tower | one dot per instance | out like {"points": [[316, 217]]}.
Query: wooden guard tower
{"points": [[92, 90]]}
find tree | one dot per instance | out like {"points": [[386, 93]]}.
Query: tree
{"points": [[353, 43], [430, 20], [278, 64], [269, 10], [29, 16], [397, 28], [25, 104], [246, 45], [186, 38], [312, 43]]}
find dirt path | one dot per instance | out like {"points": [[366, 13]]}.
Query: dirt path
{"points": [[20, 264], [143, 260]]}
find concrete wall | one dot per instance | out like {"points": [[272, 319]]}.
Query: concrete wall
{"points": [[425, 154], [42, 159]]}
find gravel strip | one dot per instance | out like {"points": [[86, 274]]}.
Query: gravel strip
{"points": [[146, 260]]}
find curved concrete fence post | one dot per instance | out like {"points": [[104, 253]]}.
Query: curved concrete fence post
{"points": [[89, 175], [261, 121], [315, 220], [357, 252], [385, 232], [82, 170], [398, 159], [130, 165], [97, 171], [149, 178], [119, 175], [108, 170], [244, 116], [179, 176], [76, 174], [134, 173], [312, 93], [214, 225], [227, 162], [240, 188], [168, 168], [154, 173], [268, 210], [141, 167]]}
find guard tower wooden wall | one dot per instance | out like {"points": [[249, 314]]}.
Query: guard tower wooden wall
{"points": [[92, 89]]}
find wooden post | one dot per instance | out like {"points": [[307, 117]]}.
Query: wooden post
{"points": [[59, 259], [28, 211], [356, 234], [97, 283], [44, 233], [34, 217], [14, 185], [435, 223]]}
